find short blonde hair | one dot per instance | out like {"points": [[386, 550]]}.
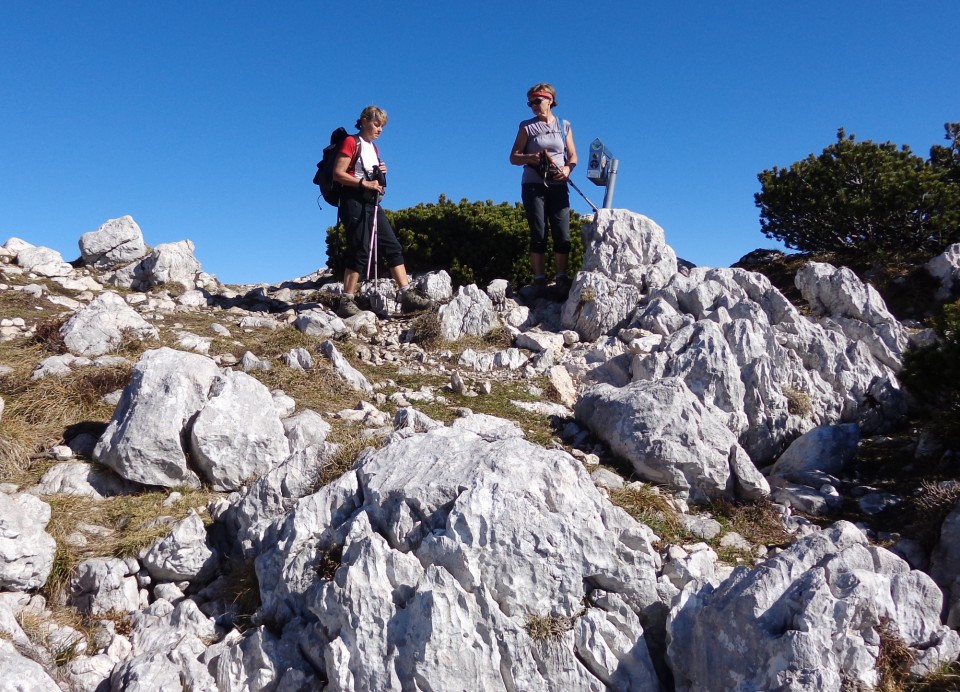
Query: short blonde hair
{"points": [[374, 114], [543, 86]]}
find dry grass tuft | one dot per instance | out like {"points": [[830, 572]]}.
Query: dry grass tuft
{"points": [[40, 410], [319, 389], [947, 679], [48, 335], [895, 658], [173, 289], [345, 457], [758, 522], [927, 509], [645, 504], [548, 628], [14, 460], [426, 330], [129, 517], [798, 402], [37, 627]]}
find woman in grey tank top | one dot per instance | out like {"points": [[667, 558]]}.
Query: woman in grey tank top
{"points": [[544, 147]]}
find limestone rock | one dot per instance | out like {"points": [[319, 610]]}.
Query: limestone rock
{"points": [[26, 549], [145, 440], [103, 585], [183, 554], [671, 439], [342, 367], [102, 326], [115, 243], [435, 576], [945, 267], [170, 263], [807, 619], [629, 248], [470, 313], [237, 434]]}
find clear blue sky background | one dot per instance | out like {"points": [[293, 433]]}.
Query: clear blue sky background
{"points": [[204, 119]]}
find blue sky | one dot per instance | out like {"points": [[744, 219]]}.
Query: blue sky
{"points": [[205, 119]]}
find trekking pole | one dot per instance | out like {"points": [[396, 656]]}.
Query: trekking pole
{"points": [[372, 256], [553, 167], [574, 186]]}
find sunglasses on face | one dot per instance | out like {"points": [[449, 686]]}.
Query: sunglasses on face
{"points": [[535, 102]]}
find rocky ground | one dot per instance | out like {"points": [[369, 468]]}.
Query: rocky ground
{"points": [[227, 487]]}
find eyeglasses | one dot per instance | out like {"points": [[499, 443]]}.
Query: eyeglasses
{"points": [[535, 102]]}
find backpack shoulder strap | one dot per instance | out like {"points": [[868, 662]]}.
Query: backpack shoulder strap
{"points": [[564, 125], [356, 152]]}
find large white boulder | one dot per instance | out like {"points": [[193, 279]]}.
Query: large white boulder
{"points": [[238, 434], [101, 326], [146, 441], [114, 243], [170, 263], [449, 545], [807, 619], [470, 313], [671, 438]]}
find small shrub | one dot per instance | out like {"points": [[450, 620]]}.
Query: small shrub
{"points": [[932, 375], [328, 562], [48, 335], [475, 242]]}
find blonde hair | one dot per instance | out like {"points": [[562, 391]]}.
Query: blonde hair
{"points": [[374, 114], [544, 86]]}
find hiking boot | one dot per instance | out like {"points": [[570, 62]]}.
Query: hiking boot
{"points": [[413, 299], [534, 291], [347, 307], [561, 288]]}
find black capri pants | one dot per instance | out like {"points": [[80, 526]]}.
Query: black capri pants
{"points": [[547, 205], [357, 214]]}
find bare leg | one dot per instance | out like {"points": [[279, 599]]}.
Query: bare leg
{"points": [[538, 263], [399, 274], [561, 262], [351, 279]]}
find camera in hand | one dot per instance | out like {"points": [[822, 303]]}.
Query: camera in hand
{"points": [[546, 167]]}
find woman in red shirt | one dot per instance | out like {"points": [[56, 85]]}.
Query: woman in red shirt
{"points": [[361, 172]]}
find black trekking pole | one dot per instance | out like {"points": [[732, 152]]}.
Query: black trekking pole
{"points": [[574, 186], [549, 167]]}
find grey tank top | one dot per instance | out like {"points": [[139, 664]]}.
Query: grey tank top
{"points": [[546, 137]]}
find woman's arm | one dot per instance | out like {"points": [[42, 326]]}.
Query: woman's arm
{"points": [[571, 149], [517, 157], [340, 173], [571, 161]]}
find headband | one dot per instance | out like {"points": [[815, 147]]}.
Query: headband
{"points": [[542, 95]]}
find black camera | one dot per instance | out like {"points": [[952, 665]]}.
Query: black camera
{"points": [[380, 176], [547, 168]]}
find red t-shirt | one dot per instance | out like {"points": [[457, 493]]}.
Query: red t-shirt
{"points": [[350, 149]]}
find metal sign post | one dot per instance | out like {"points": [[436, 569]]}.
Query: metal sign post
{"points": [[602, 170]]}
